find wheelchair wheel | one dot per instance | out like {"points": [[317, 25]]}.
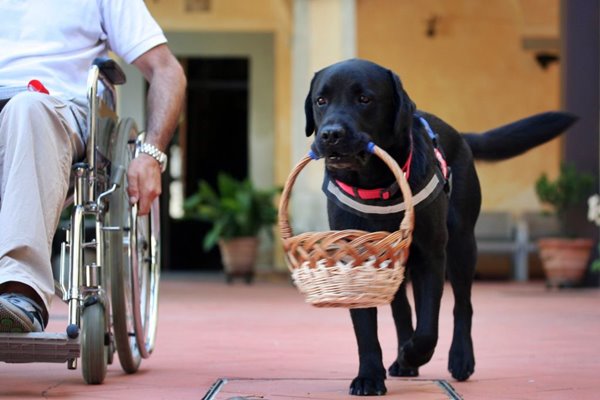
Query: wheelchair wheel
{"points": [[145, 268], [94, 352], [133, 254]]}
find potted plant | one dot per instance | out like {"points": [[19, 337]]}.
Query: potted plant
{"points": [[564, 259], [238, 212]]}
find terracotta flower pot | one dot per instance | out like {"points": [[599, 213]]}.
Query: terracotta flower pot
{"points": [[564, 260], [239, 257]]}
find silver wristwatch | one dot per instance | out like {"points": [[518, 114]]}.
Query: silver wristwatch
{"points": [[155, 153]]}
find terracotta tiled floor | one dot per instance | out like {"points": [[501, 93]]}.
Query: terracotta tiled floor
{"points": [[530, 343]]}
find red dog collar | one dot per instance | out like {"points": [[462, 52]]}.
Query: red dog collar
{"points": [[366, 194], [379, 193]]}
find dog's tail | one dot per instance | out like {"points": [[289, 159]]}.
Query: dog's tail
{"points": [[517, 137]]}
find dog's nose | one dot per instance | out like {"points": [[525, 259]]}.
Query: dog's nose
{"points": [[332, 134]]}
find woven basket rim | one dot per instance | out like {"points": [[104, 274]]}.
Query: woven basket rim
{"points": [[406, 225]]}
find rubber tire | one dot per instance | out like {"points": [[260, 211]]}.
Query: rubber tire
{"points": [[94, 352], [120, 268]]}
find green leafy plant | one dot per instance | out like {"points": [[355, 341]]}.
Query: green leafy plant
{"points": [[569, 189], [236, 208], [595, 267]]}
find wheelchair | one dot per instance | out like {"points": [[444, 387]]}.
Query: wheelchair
{"points": [[109, 274]]}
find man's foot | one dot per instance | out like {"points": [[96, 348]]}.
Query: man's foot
{"points": [[19, 314]]}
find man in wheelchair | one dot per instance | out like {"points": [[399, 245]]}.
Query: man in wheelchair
{"points": [[47, 48]]}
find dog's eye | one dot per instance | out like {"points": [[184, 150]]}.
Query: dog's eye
{"points": [[364, 99], [321, 101]]}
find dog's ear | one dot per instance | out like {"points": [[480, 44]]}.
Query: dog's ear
{"points": [[404, 106], [308, 110]]}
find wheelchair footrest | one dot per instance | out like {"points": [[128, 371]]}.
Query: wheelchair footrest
{"points": [[38, 347]]}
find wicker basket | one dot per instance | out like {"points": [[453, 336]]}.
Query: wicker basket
{"points": [[348, 268]]}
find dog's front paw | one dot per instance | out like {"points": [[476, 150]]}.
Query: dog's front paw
{"points": [[461, 362], [399, 369], [416, 352], [367, 387]]}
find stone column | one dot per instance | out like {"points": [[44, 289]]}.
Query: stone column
{"points": [[324, 33]]}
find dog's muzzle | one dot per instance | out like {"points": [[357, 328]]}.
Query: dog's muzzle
{"points": [[340, 148]]}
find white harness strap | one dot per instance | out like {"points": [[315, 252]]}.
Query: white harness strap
{"points": [[350, 202]]}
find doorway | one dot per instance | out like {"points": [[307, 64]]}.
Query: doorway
{"points": [[214, 139]]}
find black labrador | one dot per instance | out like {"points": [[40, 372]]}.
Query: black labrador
{"points": [[356, 101]]}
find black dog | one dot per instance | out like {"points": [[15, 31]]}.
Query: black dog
{"points": [[353, 102]]}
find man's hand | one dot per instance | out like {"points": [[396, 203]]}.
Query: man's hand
{"points": [[143, 182], [164, 104]]}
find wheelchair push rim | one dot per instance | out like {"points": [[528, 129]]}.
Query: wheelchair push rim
{"points": [[135, 271]]}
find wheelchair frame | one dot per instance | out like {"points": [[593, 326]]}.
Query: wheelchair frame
{"points": [[110, 281]]}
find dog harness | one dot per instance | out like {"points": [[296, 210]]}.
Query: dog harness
{"points": [[384, 201]]}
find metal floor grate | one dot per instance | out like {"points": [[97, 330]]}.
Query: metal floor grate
{"points": [[323, 389]]}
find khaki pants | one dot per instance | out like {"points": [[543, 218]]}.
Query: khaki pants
{"points": [[40, 137]]}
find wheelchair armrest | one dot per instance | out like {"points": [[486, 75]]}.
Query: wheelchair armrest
{"points": [[111, 70]]}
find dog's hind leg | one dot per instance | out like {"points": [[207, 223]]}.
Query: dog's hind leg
{"points": [[461, 261], [461, 250], [402, 314], [462, 257], [371, 373]]}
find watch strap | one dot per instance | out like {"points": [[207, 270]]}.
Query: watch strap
{"points": [[155, 153]]}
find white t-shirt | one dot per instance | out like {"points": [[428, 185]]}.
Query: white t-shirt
{"points": [[55, 41]]}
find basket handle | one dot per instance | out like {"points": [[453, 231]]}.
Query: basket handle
{"points": [[407, 222]]}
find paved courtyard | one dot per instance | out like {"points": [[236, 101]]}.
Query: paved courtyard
{"points": [[262, 341]]}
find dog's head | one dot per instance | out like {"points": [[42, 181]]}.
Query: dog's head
{"points": [[351, 103]]}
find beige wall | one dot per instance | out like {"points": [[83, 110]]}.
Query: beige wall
{"points": [[474, 73], [239, 16], [223, 15]]}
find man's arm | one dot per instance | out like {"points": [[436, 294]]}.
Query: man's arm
{"points": [[164, 103]]}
